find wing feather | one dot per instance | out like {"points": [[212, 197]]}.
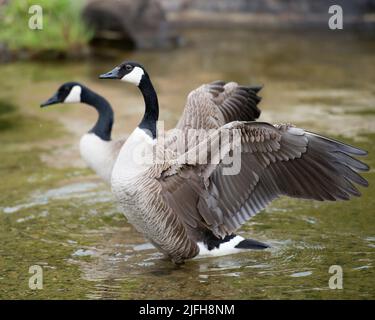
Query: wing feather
{"points": [[275, 160], [214, 104]]}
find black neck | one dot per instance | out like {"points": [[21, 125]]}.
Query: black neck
{"points": [[151, 115], [103, 126]]}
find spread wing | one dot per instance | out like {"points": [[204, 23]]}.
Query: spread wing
{"points": [[214, 104], [275, 161]]}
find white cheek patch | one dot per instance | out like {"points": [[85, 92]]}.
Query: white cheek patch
{"points": [[134, 77], [74, 95]]}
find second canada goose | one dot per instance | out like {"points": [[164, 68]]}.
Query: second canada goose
{"points": [[96, 146], [187, 209]]}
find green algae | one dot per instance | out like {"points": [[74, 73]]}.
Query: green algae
{"points": [[24, 244], [362, 112]]}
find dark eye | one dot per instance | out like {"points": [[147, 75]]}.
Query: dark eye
{"points": [[128, 67]]}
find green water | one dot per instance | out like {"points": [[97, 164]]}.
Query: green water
{"points": [[55, 213]]}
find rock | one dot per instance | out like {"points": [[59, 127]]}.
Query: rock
{"points": [[128, 23], [264, 13], [268, 6]]}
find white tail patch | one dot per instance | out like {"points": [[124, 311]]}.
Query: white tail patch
{"points": [[225, 248]]}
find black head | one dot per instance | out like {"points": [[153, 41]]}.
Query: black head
{"points": [[128, 71], [69, 92]]}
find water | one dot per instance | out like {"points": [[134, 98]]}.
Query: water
{"points": [[55, 213]]}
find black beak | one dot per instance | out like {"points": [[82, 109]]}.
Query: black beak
{"points": [[113, 74], [53, 100]]}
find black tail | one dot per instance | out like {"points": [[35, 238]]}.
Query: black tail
{"points": [[212, 242], [252, 244]]}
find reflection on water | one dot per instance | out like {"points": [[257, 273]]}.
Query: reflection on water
{"points": [[57, 214]]}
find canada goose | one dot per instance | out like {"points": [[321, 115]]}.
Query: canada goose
{"points": [[96, 147], [186, 209]]}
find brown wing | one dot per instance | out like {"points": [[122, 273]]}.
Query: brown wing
{"points": [[212, 105], [275, 160]]}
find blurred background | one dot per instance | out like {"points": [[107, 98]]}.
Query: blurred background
{"points": [[56, 213]]}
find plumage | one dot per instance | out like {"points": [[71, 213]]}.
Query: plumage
{"points": [[100, 155], [215, 104], [316, 168], [180, 202]]}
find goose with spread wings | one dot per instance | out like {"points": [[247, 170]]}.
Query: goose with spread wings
{"points": [[189, 208]]}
